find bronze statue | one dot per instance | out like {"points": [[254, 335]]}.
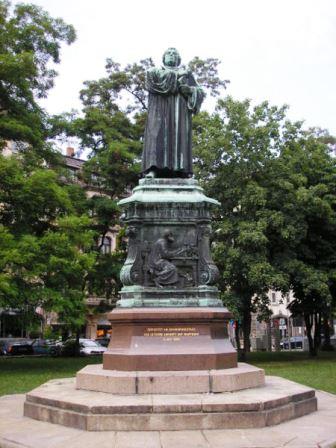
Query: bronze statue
{"points": [[174, 96]]}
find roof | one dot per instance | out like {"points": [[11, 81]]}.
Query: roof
{"points": [[73, 162]]}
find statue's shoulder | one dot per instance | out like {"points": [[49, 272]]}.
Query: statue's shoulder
{"points": [[152, 70], [153, 75], [157, 72]]}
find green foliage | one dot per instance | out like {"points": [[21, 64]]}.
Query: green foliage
{"points": [[29, 40], [46, 235], [310, 258], [234, 150], [45, 243], [275, 183]]}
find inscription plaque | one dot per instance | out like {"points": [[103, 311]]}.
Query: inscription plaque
{"points": [[170, 334]]}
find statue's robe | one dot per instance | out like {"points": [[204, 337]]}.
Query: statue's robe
{"points": [[168, 141]]}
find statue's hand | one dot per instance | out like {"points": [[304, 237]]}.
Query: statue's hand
{"points": [[183, 73], [180, 251], [185, 90]]}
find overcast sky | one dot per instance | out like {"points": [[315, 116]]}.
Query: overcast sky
{"points": [[277, 50]]}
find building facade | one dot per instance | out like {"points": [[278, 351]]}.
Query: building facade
{"points": [[283, 330], [97, 324]]}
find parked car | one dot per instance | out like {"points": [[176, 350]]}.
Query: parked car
{"points": [[296, 342], [46, 347], [90, 347], [333, 340], [104, 341], [86, 347], [16, 346]]}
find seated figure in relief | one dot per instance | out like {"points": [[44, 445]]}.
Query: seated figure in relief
{"points": [[162, 270]]}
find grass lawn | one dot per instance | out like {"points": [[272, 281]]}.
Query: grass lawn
{"points": [[18, 375], [319, 373]]}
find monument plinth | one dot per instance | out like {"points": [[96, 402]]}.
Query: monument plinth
{"points": [[170, 339]]}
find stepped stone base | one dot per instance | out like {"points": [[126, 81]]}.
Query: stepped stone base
{"points": [[58, 401], [94, 377]]}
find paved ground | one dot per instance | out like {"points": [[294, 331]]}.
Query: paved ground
{"points": [[317, 430]]}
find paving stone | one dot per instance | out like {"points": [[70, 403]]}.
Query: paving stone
{"points": [[90, 439], [138, 439], [232, 438], [183, 439]]}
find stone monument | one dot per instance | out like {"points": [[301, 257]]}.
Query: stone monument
{"points": [[169, 277], [169, 330]]}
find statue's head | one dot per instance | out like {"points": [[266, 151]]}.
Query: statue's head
{"points": [[171, 58], [168, 235]]}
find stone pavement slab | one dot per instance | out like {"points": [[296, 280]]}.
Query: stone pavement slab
{"points": [[316, 430]]}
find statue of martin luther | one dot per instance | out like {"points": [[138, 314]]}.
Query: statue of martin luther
{"points": [[174, 96]]}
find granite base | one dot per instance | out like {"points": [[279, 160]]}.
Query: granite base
{"points": [[58, 401], [169, 339], [93, 377]]}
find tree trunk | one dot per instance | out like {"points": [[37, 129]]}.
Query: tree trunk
{"points": [[308, 318], [246, 326], [241, 354], [77, 349], [237, 338], [317, 331], [326, 330], [269, 337]]}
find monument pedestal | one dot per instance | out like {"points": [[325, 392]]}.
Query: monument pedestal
{"points": [[168, 261], [169, 369], [170, 339]]}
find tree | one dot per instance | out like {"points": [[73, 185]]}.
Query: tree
{"points": [[45, 243], [29, 40], [310, 258], [235, 148], [274, 229], [46, 233]]}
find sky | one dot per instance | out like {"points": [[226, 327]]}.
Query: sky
{"points": [[282, 51]]}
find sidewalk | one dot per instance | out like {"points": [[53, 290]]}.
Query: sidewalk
{"points": [[316, 430]]}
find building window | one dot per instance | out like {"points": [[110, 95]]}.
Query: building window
{"points": [[95, 179], [72, 173], [273, 297], [106, 245]]}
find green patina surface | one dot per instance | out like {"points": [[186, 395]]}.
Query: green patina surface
{"points": [[168, 262], [156, 191]]}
